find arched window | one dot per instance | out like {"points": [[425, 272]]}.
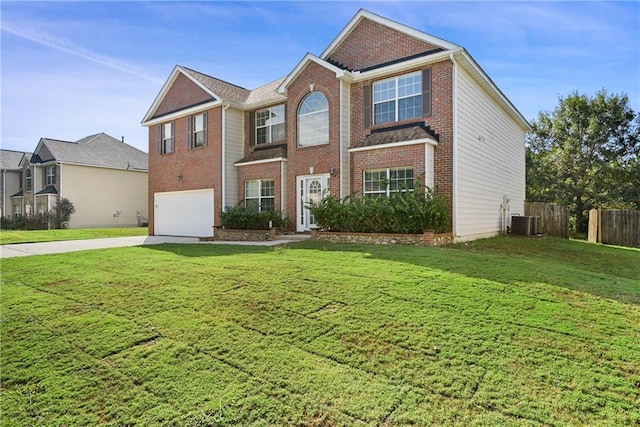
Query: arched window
{"points": [[313, 120]]}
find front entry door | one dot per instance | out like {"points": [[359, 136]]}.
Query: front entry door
{"points": [[310, 189]]}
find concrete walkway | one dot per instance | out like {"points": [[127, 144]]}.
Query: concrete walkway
{"points": [[45, 248]]}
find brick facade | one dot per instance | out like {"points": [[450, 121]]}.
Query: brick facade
{"points": [[186, 168], [371, 43], [370, 46]]}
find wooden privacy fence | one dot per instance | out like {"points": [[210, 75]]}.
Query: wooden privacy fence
{"points": [[615, 227], [554, 219]]}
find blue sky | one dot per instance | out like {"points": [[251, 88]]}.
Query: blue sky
{"points": [[72, 69]]}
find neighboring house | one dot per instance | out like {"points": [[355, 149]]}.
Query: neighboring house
{"points": [[104, 178], [10, 179], [382, 107]]}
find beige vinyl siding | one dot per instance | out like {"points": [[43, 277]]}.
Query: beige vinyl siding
{"points": [[345, 135], [97, 193], [11, 186], [490, 161], [234, 135]]}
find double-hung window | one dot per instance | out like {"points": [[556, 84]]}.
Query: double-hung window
{"points": [[270, 125], [383, 182], [50, 175], [260, 194], [166, 138], [198, 130], [397, 98], [28, 180]]}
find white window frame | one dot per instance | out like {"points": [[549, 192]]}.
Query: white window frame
{"points": [[28, 180], [260, 197], [315, 121], [166, 141], [50, 175], [394, 86], [387, 180], [276, 117], [198, 130]]}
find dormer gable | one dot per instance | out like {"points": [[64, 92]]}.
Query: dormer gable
{"points": [[186, 89], [369, 40]]}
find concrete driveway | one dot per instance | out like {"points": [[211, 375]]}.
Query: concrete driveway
{"points": [[45, 248]]}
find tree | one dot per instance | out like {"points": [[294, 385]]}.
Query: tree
{"points": [[584, 154], [62, 212]]}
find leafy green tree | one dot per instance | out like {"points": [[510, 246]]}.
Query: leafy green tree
{"points": [[584, 154], [62, 212]]}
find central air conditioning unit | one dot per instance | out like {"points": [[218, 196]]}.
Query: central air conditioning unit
{"points": [[525, 225]]}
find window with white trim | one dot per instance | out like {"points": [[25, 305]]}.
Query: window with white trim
{"points": [[383, 182], [17, 209], [50, 175], [28, 180], [270, 125], [166, 138], [198, 131], [259, 194], [397, 98], [313, 120]]}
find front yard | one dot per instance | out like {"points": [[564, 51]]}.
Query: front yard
{"points": [[33, 236], [504, 331]]}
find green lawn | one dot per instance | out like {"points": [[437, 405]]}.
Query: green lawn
{"points": [[31, 236], [504, 331]]}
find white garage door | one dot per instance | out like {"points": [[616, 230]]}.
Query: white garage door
{"points": [[184, 213]]}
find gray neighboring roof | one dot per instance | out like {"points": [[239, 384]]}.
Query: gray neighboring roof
{"points": [[225, 90], [96, 150], [49, 189], [10, 160]]}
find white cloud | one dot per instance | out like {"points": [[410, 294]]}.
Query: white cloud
{"points": [[69, 47]]}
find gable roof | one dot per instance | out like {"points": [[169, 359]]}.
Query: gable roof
{"points": [[365, 14], [219, 88], [10, 160], [99, 150]]}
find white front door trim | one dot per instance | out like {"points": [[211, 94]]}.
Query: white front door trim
{"points": [[304, 219]]}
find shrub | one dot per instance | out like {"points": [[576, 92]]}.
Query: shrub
{"points": [[57, 218], [401, 212], [243, 218]]}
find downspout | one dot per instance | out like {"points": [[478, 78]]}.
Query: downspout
{"points": [[455, 145], [224, 156], [4, 192]]}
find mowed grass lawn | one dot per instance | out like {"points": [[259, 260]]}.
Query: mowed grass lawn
{"points": [[503, 331], [33, 236]]}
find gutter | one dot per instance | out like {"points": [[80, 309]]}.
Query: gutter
{"points": [[4, 192], [454, 160], [224, 155]]}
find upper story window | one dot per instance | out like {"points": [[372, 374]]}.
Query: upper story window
{"points": [[313, 120], [198, 130], [28, 180], [166, 137], [50, 175], [397, 98], [270, 125], [383, 182]]}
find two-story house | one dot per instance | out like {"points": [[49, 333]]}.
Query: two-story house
{"points": [[383, 107], [105, 179], [10, 179]]}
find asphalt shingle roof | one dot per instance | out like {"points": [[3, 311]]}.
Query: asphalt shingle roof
{"points": [[401, 133], [10, 160], [225, 90], [96, 150], [265, 153]]}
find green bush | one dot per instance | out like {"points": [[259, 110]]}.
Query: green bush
{"points": [[57, 218], [408, 212], [242, 218]]}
